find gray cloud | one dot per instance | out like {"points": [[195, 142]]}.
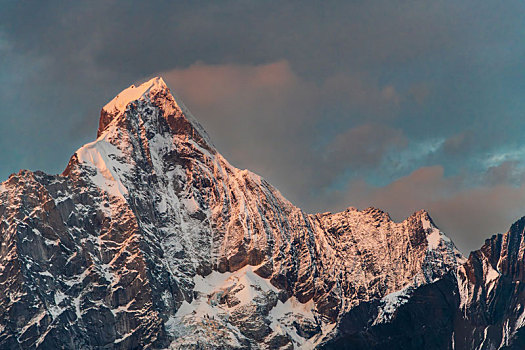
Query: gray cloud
{"points": [[268, 119], [365, 145], [337, 103]]}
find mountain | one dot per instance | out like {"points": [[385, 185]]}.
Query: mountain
{"points": [[151, 239]]}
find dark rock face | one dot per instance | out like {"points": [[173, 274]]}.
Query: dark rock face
{"points": [[426, 321], [479, 306], [151, 239], [61, 278], [492, 310]]}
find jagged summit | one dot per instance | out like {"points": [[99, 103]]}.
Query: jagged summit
{"points": [[119, 103], [146, 102], [424, 216], [117, 106]]}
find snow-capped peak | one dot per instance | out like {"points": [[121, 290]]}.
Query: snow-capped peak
{"points": [[119, 103], [153, 98]]}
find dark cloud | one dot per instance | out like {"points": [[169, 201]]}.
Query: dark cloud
{"points": [[459, 143], [268, 119], [419, 92], [337, 103], [365, 145], [509, 172]]}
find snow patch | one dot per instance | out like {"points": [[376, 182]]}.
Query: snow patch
{"points": [[283, 316], [76, 302], [491, 275], [97, 155], [207, 309], [391, 302], [434, 239], [133, 93], [56, 310], [191, 205]]}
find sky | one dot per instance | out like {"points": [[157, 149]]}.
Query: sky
{"points": [[400, 105]]}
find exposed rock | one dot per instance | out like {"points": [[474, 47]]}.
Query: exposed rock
{"points": [[151, 239]]}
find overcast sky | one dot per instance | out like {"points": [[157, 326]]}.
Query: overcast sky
{"points": [[400, 105]]}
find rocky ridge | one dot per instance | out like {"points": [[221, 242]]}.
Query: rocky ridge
{"points": [[151, 239]]}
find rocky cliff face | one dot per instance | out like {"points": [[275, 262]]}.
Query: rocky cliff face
{"points": [[492, 313], [151, 239], [480, 305]]}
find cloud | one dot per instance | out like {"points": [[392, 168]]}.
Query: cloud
{"points": [[365, 145], [505, 155], [216, 84], [458, 144], [360, 92], [282, 123], [419, 92], [509, 172]]}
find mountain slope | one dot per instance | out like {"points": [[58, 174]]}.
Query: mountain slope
{"points": [[492, 309], [151, 239]]}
